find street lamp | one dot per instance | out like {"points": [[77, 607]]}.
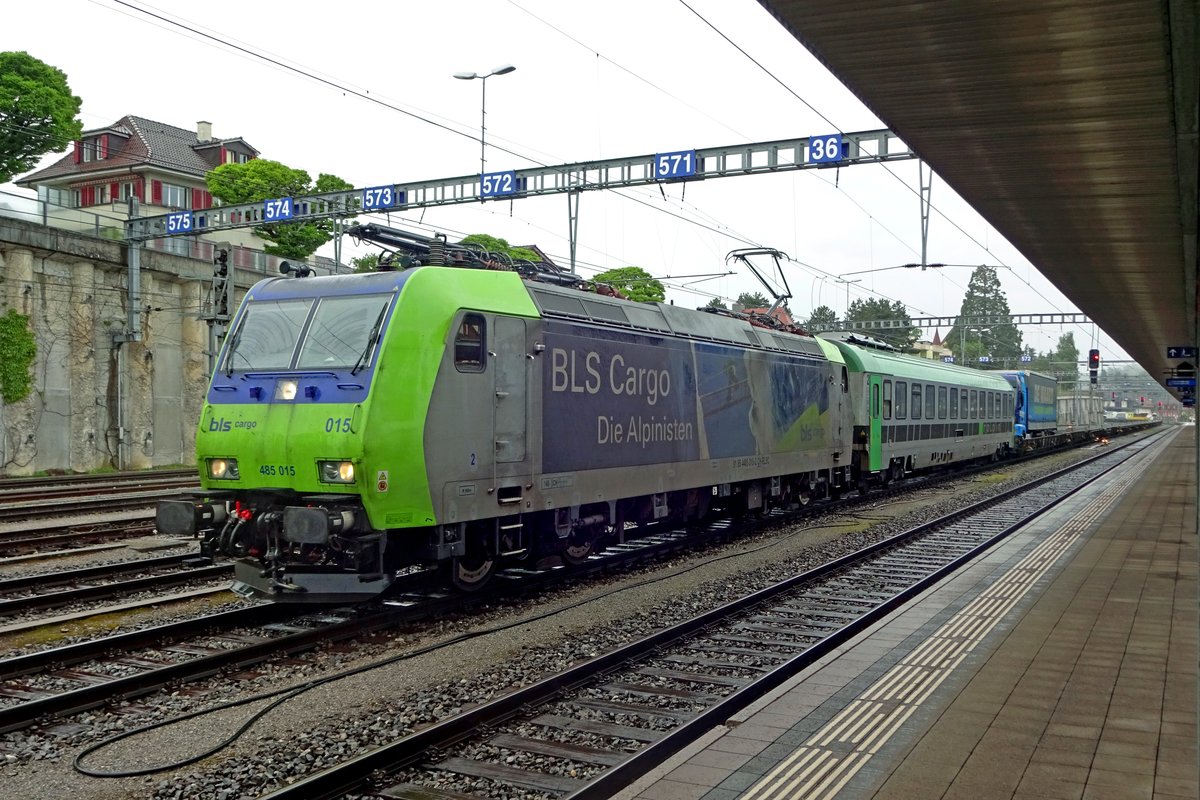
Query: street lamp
{"points": [[843, 280], [470, 76]]}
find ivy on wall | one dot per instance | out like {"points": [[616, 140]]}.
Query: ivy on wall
{"points": [[17, 351]]}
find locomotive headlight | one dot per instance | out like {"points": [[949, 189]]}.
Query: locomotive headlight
{"points": [[285, 390], [223, 469], [336, 471]]}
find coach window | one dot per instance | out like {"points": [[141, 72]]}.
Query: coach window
{"points": [[941, 402], [887, 399], [875, 401], [901, 406], [991, 405], [469, 344], [930, 402], [962, 404], [916, 401], [954, 404], [974, 404]]}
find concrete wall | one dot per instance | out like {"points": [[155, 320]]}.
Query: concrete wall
{"points": [[88, 389]]}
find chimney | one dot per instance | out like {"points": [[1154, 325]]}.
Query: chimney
{"points": [[204, 131]]}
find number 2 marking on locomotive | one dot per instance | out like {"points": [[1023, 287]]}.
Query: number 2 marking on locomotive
{"points": [[472, 460]]}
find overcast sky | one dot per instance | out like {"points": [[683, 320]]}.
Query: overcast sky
{"points": [[593, 81]]}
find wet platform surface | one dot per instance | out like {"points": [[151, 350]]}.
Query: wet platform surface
{"points": [[1061, 665]]}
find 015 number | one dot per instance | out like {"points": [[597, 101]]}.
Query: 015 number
{"points": [[337, 425]]}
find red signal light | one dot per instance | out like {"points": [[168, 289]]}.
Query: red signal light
{"points": [[1093, 359]]}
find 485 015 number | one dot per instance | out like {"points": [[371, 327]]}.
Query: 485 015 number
{"points": [[286, 470]]}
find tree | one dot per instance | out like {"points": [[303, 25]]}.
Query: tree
{"points": [[752, 300], [1064, 362], [262, 179], [635, 283], [823, 316], [873, 309], [493, 244], [716, 303], [999, 341], [367, 263], [38, 112]]}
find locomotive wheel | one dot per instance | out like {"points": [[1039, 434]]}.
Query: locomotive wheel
{"points": [[579, 544], [471, 572]]}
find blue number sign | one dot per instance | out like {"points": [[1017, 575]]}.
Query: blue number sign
{"points": [[681, 164], [985, 359], [497, 184], [825, 149], [948, 359], [1181, 383], [378, 197], [1025, 359], [179, 222], [275, 210]]}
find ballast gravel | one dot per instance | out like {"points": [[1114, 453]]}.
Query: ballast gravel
{"points": [[528, 639]]}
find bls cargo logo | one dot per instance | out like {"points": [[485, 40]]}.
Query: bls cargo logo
{"points": [[222, 425]]}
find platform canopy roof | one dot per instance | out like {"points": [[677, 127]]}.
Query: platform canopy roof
{"points": [[1070, 125]]}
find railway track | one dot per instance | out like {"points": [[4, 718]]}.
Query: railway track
{"points": [[73, 535], [79, 676], [56, 589], [21, 490], [594, 727], [107, 503]]}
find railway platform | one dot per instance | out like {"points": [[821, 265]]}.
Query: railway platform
{"points": [[1061, 665]]}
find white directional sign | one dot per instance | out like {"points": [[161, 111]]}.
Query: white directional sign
{"points": [[1181, 351]]}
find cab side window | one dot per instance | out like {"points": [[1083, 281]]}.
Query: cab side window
{"points": [[887, 399], [470, 344]]}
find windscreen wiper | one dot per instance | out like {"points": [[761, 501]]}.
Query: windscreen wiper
{"points": [[362, 357], [233, 343]]}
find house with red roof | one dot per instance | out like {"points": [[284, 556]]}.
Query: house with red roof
{"points": [[160, 164]]}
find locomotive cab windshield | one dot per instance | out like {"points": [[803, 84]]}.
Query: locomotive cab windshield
{"points": [[330, 333]]}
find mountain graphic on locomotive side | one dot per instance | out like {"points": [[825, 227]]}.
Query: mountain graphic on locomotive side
{"points": [[467, 414]]}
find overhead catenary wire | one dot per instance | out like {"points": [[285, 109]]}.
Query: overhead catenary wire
{"points": [[311, 74]]}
